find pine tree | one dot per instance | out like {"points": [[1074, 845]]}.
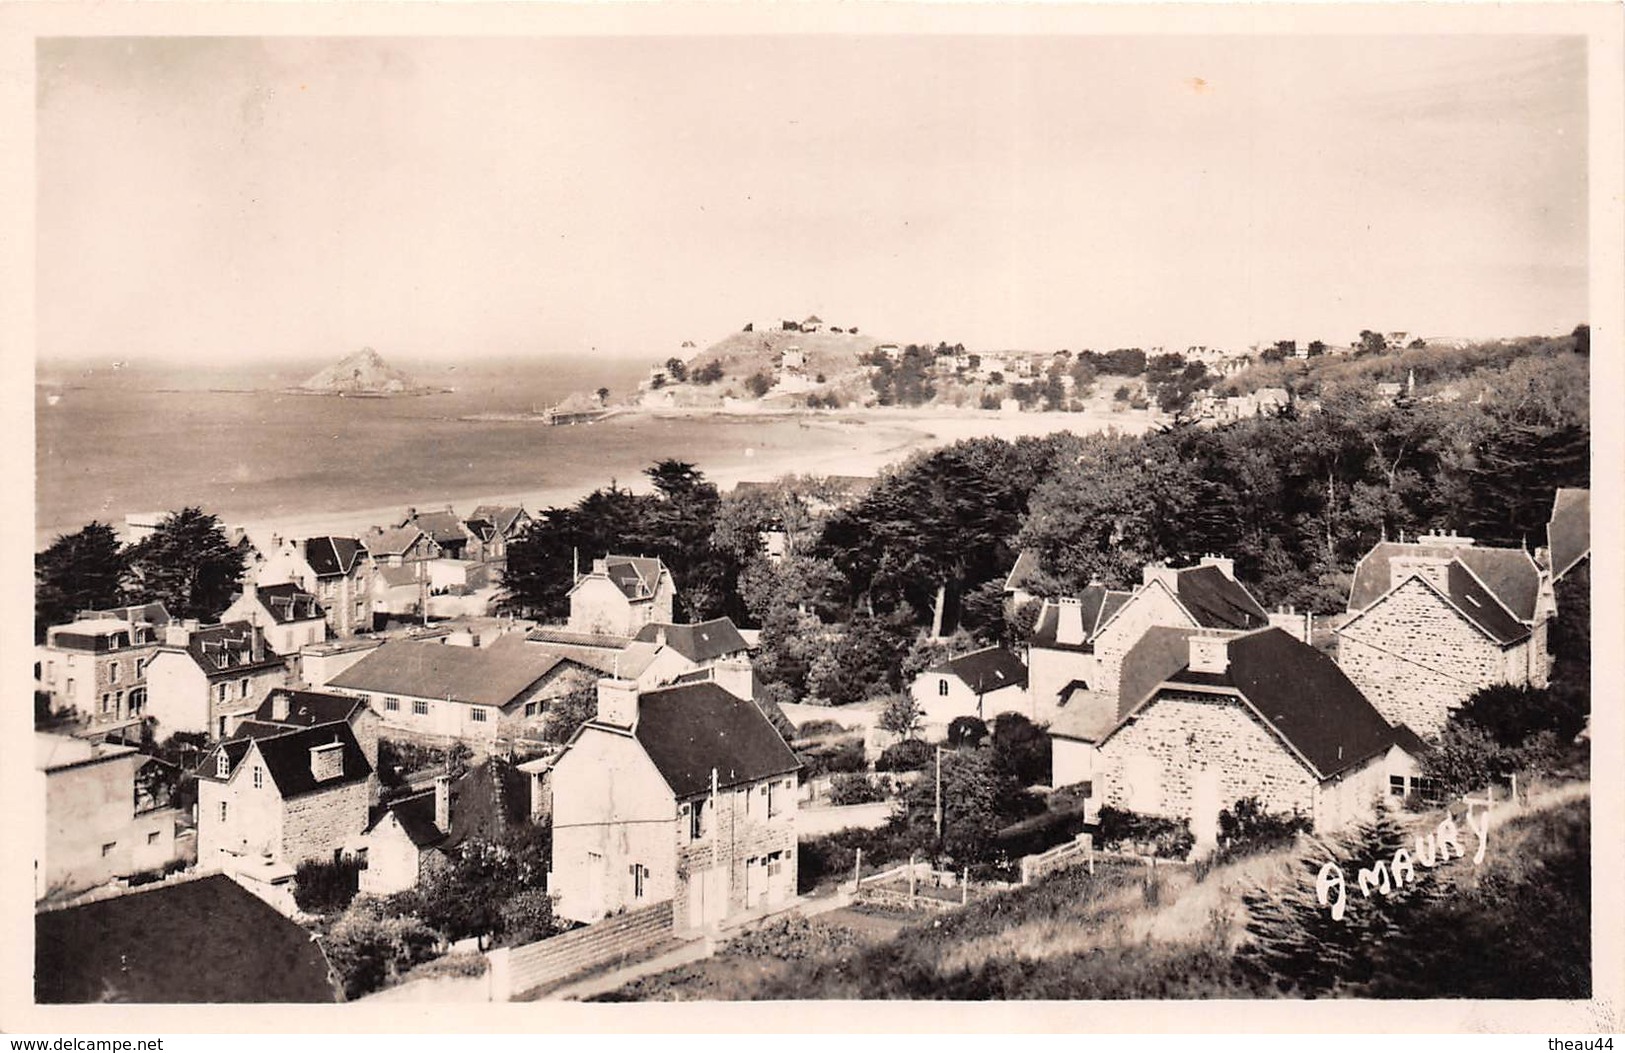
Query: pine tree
{"points": [[79, 571], [188, 564]]}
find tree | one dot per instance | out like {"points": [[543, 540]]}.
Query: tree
{"points": [[709, 373], [1582, 339], [369, 947], [758, 384], [84, 570], [568, 712], [901, 715], [603, 394], [188, 564], [677, 369], [966, 732], [1371, 342], [1316, 348]]}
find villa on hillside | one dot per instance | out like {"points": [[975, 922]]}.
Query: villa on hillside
{"points": [[206, 678], [289, 616], [336, 570], [97, 663], [979, 684], [622, 594]]}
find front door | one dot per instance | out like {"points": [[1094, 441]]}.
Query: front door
{"points": [[1205, 808]]}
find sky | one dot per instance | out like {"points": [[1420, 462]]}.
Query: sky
{"points": [[288, 199]]}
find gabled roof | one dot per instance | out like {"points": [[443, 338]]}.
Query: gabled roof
{"points": [[289, 603], [1481, 607], [504, 517], [1217, 601], [228, 649], [555, 635], [699, 642], [1299, 693], [636, 576], [1509, 573], [308, 708], [1025, 566], [286, 753], [151, 613], [984, 671], [443, 526], [1155, 656], [398, 577], [393, 541], [332, 556], [1568, 532], [691, 730], [474, 675], [415, 814], [628, 661]]}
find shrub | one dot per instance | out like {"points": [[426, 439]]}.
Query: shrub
{"points": [[1022, 748], [1044, 831], [758, 384], [855, 788], [843, 755], [1246, 829], [833, 856], [370, 949], [526, 917], [326, 886], [1513, 715], [815, 728], [464, 963], [966, 732], [908, 755], [1168, 838], [901, 715]]}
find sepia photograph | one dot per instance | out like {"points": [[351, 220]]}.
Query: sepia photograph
{"points": [[973, 511]]}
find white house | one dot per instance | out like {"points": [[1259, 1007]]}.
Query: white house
{"points": [[206, 678], [684, 794], [289, 616], [980, 684], [621, 595]]}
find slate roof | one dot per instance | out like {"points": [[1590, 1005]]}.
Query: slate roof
{"points": [[151, 613], [699, 642], [1509, 573], [398, 577], [203, 941], [308, 708], [473, 675], [1481, 607], [1301, 694], [1568, 532], [416, 816], [393, 541], [443, 526], [286, 752], [1098, 604], [635, 576], [226, 649], [289, 603], [501, 518], [1156, 656], [332, 556], [990, 669], [1026, 564], [690, 730], [1219, 602]]}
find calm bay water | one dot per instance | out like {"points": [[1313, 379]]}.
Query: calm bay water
{"points": [[115, 443]]}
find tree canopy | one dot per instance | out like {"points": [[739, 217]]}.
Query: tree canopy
{"points": [[188, 564]]}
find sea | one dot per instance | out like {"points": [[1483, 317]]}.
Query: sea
{"points": [[111, 440]]}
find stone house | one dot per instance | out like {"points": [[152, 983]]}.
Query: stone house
{"points": [[477, 695], [287, 709], [274, 797], [1436, 619], [413, 835], [1259, 715], [290, 617], [444, 527], [621, 595], [979, 684], [491, 528], [684, 794], [336, 570], [97, 663], [206, 678], [401, 546], [103, 817]]}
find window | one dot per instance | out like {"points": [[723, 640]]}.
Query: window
{"points": [[640, 877], [222, 811], [107, 703], [942, 686], [1427, 789], [245, 688], [70, 685], [392, 705], [532, 708], [420, 708], [775, 800], [152, 838], [222, 692], [140, 667], [118, 702], [222, 766], [112, 672], [259, 777], [107, 849], [696, 821], [775, 865], [477, 715], [1396, 785]]}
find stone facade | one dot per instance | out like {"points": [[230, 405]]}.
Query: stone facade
{"points": [[1418, 659], [1151, 605], [317, 825], [257, 821], [754, 852], [105, 683]]}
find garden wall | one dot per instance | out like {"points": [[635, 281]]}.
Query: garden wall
{"points": [[613, 941]]}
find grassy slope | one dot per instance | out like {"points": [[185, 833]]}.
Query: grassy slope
{"points": [[741, 354], [1123, 935]]}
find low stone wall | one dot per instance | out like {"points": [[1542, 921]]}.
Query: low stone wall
{"points": [[612, 941]]}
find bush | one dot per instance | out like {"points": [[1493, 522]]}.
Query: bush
{"points": [[526, 917], [465, 963], [1245, 829], [843, 755], [833, 856], [1168, 838], [370, 949], [1022, 748], [855, 788], [326, 886], [908, 755], [1514, 715], [1043, 832], [817, 728], [966, 732]]}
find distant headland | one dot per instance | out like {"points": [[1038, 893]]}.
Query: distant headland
{"points": [[363, 374]]}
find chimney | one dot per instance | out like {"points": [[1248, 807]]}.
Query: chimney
{"points": [[660, 635], [327, 761], [1226, 565], [176, 634], [442, 803], [1069, 620], [1209, 654], [279, 705], [1292, 622], [600, 567], [1159, 572], [256, 643], [617, 702], [734, 676], [1432, 569], [250, 590]]}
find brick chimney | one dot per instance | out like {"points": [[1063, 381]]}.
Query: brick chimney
{"points": [[1159, 572], [442, 803], [176, 634], [1291, 621], [1209, 654], [617, 702], [660, 635], [1226, 565], [279, 705], [1069, 620], [256, 643], [327, 761], [734, 676], [1432, 569]]}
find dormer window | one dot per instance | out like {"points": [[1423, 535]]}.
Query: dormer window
{"points": [[222, 764]]}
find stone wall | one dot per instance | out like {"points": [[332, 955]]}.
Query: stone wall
{"points": [[1416, 658], [616, 939], [740, 836], [315, 824]]}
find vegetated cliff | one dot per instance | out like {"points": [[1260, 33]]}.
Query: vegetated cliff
{"points": [[363, 373]]}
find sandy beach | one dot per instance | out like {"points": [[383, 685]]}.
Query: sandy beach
{"points": [[842, 442]]}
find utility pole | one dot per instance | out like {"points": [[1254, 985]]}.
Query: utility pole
{"points": [[939, 795]]}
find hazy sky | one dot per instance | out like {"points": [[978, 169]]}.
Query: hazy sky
{"points": [[437, 197]]}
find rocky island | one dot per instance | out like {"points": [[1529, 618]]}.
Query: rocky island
{"points": [[364, 374]]}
